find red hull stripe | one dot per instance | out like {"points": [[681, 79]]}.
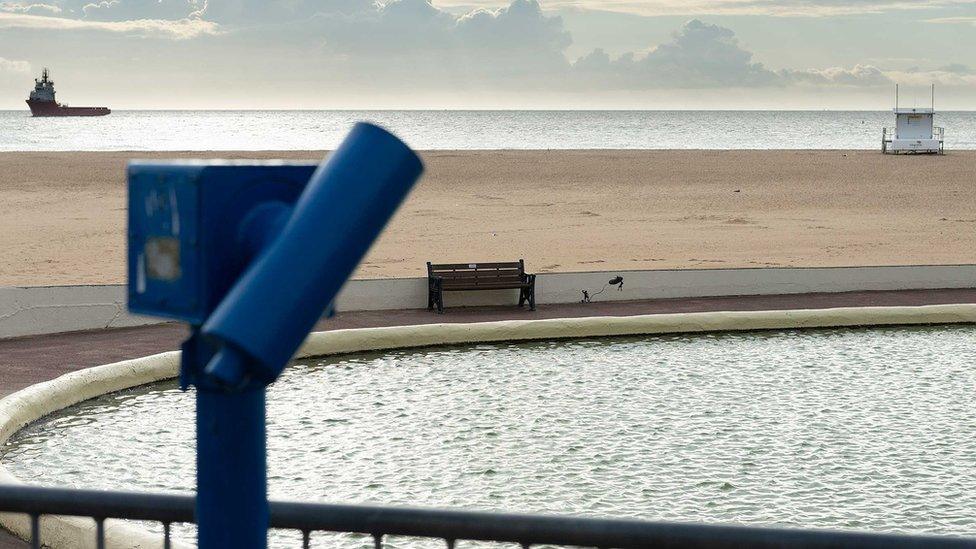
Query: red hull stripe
{"points": [[51, 108]]}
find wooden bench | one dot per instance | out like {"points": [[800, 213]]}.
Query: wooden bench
{"points": [[478, 276]]}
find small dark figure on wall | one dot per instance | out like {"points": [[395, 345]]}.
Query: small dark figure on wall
{"points": [[617, 281]]}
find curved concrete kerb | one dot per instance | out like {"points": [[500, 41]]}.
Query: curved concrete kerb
{"points": [[30, 404], [37, 401], [374, 339]]}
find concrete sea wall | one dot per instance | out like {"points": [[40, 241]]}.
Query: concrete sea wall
{"points": [[41, 310]]}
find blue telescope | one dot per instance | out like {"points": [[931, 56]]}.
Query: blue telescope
{"points": [[251, 255]]}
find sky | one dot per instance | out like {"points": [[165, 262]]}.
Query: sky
{"points": [[509, 54]]}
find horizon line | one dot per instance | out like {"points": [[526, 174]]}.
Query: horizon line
{"points": [[487, 109]]}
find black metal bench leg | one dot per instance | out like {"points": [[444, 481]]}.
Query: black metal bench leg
{"points": [[435, 294], [522, 296], [439, 297], [532, 294]]}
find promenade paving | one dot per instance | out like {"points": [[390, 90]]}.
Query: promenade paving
{"points": [[28, 360]]}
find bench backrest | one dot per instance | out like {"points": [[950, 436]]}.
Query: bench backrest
{"points": [[467, 275]]}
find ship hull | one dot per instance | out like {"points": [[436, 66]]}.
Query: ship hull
{"points": [[52, 108]]}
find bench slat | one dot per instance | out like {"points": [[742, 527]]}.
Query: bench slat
{"points": [[489, 273], [470, 281], [514, 286], [479, 268], [459, 275], [479, 273], [509, 275], [473, 276], [514, 264]]}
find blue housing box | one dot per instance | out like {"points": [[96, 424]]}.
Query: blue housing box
{"points": [[185, 240]]}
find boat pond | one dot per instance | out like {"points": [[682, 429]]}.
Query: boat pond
{"points": [[867, 429]]}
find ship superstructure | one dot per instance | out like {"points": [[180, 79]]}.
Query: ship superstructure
{"points": [[42, 101]]}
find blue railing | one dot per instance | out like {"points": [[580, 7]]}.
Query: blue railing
{"points": [[450, 526]]}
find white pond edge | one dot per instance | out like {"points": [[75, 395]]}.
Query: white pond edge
{"points": [[33, 403]]}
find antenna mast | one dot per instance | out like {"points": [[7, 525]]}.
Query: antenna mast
{"points": [[896, 97]]}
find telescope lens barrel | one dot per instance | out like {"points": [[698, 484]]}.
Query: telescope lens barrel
{"points": [[342, 211]]}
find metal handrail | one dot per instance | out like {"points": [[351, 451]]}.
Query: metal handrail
{"points": [[938, 132], [526, 530], [887, 134]]}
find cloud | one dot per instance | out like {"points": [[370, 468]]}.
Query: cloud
{"points": [[953, 74], [13, 75], [520, 31], [30, 8], [859, 75], [398, 28], [10, 65], [415, 41], [134, 10], [958, 68], [521, 26], [250, 12], [354, 28], [416, 45], [816, 8], [941, 77], [784, 8], [173, 19], [962, 20], [173, 29], [700, 55]]}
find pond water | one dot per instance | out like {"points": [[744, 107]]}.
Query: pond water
{"points": [[871, 429]]}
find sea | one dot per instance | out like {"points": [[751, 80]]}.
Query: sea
{"points": [[447, 130]]}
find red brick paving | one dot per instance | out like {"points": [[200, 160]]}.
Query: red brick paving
{"points": [[28, 360]]}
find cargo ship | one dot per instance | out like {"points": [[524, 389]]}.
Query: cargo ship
{"points": [[42, 102]]}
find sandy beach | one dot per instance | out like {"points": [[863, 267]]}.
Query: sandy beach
{"points": [[62, 215]]}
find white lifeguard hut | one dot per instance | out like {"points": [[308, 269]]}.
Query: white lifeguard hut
{"points": [[914, 132]]}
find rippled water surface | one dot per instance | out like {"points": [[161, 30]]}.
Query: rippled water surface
{"points": [[317, 130], [867, 429]]}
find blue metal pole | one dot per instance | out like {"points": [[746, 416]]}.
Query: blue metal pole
{"points": [[232, 502], [251, 256], [301, 258]]}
